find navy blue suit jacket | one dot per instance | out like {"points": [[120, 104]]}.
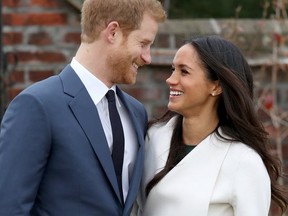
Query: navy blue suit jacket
{"points": [[54, 157]]}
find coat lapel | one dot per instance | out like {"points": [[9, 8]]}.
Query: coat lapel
{"points": [[188, 187], [202, 166], [87, 115]]}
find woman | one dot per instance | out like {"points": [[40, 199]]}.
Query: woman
{"points": [[208, 155]]}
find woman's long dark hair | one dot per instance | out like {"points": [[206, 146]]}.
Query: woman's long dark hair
{"points": [[238, 119]]}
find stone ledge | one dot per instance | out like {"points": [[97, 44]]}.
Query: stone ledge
{"points": [[219, 26], [257, 38], [164, 57]]}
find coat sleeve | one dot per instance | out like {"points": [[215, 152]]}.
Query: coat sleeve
{"points": [[252, 190], [24, 149]]}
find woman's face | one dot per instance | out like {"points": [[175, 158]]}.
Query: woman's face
{"points": [[190, 90]]}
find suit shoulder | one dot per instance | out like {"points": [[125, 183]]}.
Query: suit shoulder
{"points": [[133, 100], [47, 85], [44, 91]]}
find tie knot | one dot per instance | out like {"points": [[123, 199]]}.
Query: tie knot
{"points": [[110, 95]]}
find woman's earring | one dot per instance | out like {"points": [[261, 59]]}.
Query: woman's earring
{"points": [[213, 94]]}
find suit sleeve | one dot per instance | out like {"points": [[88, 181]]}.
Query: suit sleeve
{"points": [[24, 149], [252, 190]]}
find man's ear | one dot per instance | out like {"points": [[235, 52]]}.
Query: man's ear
{"points": [[111, 31]]}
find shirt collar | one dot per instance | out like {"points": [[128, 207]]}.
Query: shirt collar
{"points": [[95, 87]]}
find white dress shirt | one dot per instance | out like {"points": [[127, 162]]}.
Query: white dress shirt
{"points": [[97, 91]]}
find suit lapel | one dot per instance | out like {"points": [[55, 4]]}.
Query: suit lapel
{"points": [[87, 115], [138, 166]]}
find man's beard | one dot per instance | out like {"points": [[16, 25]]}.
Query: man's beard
{"points": [[120, 65]]}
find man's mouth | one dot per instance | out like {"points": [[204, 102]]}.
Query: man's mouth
{"points": [[135, 65]]}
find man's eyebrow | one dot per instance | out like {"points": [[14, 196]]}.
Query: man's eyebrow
{"points": [[146, 41]]}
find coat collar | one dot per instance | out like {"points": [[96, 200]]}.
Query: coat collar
{"points": [[176, 191]]}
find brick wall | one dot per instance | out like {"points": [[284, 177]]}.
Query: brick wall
{"points": [[41, 36]]}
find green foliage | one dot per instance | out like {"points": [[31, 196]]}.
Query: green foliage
{"points": [[217, 8]]}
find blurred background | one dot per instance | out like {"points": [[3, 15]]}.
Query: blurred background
{"points": [[179, 9], [39, 37]]}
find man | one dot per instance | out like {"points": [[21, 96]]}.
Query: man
{"points": [[56, 139]]}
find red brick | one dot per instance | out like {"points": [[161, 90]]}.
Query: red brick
{"points": [[162, 41], [16, 77], [40, 38], [271, 130], [73, 37], [180, 38], [145, 94], [12, 38], [285, 150], [161, 74], [158, 111], [35, 76], [11, 3], [13, 92], [41, 57], [11, 58], [263, 115], [45, 3], [30, 19], [143, 76]]}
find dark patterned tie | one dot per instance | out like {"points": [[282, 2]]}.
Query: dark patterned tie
{"points": [[118, 138]]}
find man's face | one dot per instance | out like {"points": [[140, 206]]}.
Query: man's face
{"points": [[133, 52]]}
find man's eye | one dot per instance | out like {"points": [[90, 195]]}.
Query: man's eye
{"points": [[143, 45]]}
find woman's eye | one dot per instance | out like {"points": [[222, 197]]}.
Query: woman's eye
{"points": [[184, 71]]}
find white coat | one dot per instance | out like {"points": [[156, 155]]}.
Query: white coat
{"points": [[217, 178]]}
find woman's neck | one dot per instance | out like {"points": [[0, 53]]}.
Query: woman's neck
{"points": [[195, 130]]}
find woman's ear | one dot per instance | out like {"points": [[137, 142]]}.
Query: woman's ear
{"points": [[216, 88]]}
